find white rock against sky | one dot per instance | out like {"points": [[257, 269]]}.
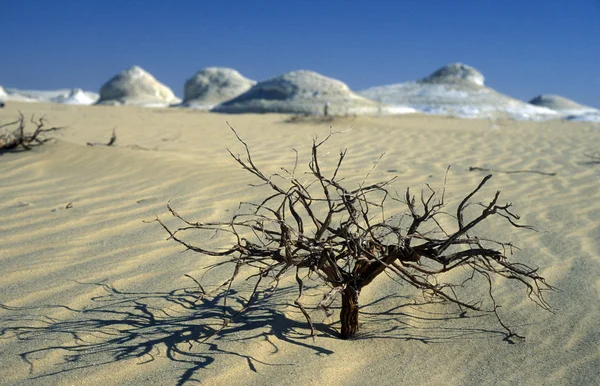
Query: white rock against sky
{"points": [[459, 90], [66, 96], [135, 86], [213, 85], [301, 92], [75, 96]]}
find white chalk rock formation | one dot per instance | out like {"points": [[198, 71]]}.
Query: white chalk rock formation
{"points": [[13, 96], [135, 86], [568, 109], [68, 96], [562, 104], [457, 90], [301, 92], [213, 85], [75, 96], [458, 74]]}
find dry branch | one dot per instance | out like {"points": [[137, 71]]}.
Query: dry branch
{"points": [[339, 233], [111, 141], [475, 168], [18, 139]]}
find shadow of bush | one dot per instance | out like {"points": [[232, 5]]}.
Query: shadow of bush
{"points": [[121, 325]]}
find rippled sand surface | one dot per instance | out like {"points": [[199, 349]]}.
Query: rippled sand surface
{"points": [[91, 291]]}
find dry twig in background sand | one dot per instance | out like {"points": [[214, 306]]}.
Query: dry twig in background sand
{"points": [[111, 141], [339, 235], [18, 139], [594, 158], [475, 168]]}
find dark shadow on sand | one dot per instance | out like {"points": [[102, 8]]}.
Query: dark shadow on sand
{"points": [[120, 325]]}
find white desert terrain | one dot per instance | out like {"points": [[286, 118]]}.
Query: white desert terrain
{"points": [[92, 292], [569, 109], [458, 90], [135, 86], [74, 96], [300, 92], [212, 86]]}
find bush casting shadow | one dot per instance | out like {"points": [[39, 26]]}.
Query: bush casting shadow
{"points": [[314, 225], [122, 326], [140, 325]]}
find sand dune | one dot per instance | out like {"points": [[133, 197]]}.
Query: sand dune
{"points": [[94, 294]]}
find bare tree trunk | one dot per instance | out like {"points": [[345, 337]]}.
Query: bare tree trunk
{"points": [[349, 313]]}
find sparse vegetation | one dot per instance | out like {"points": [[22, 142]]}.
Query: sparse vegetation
{"points": [[111, 141], [13, 135], [315, 225]]}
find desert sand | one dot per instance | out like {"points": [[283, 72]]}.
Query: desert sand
{"points": [[91, 291]]}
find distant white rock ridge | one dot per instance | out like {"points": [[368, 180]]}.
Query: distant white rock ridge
{"points": [[214, 85], [301, 92], [75, 96], [66, 96], [570, 109], [13, 95], [135, 86], [458, 90]]}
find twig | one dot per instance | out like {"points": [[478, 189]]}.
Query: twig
{"points": [[475, 168], [111, 141]]}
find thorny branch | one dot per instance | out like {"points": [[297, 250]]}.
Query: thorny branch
{"points": [[341, 235]]}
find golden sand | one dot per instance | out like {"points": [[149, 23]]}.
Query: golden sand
{"points": [[91, 293]]}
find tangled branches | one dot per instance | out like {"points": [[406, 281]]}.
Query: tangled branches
{"points": [[19, 139], [341, 235]]}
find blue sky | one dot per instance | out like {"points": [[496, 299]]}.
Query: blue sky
{"points": [[523, 47]]}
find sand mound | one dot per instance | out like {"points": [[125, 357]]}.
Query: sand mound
{"points": [[458, 90], [135, 86], [300, 92], [213, 85]]}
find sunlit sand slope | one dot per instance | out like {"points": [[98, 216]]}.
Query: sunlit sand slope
{"points": [[92, 292]]}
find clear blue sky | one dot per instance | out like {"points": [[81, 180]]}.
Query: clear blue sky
{"points": [[523, 47]]}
